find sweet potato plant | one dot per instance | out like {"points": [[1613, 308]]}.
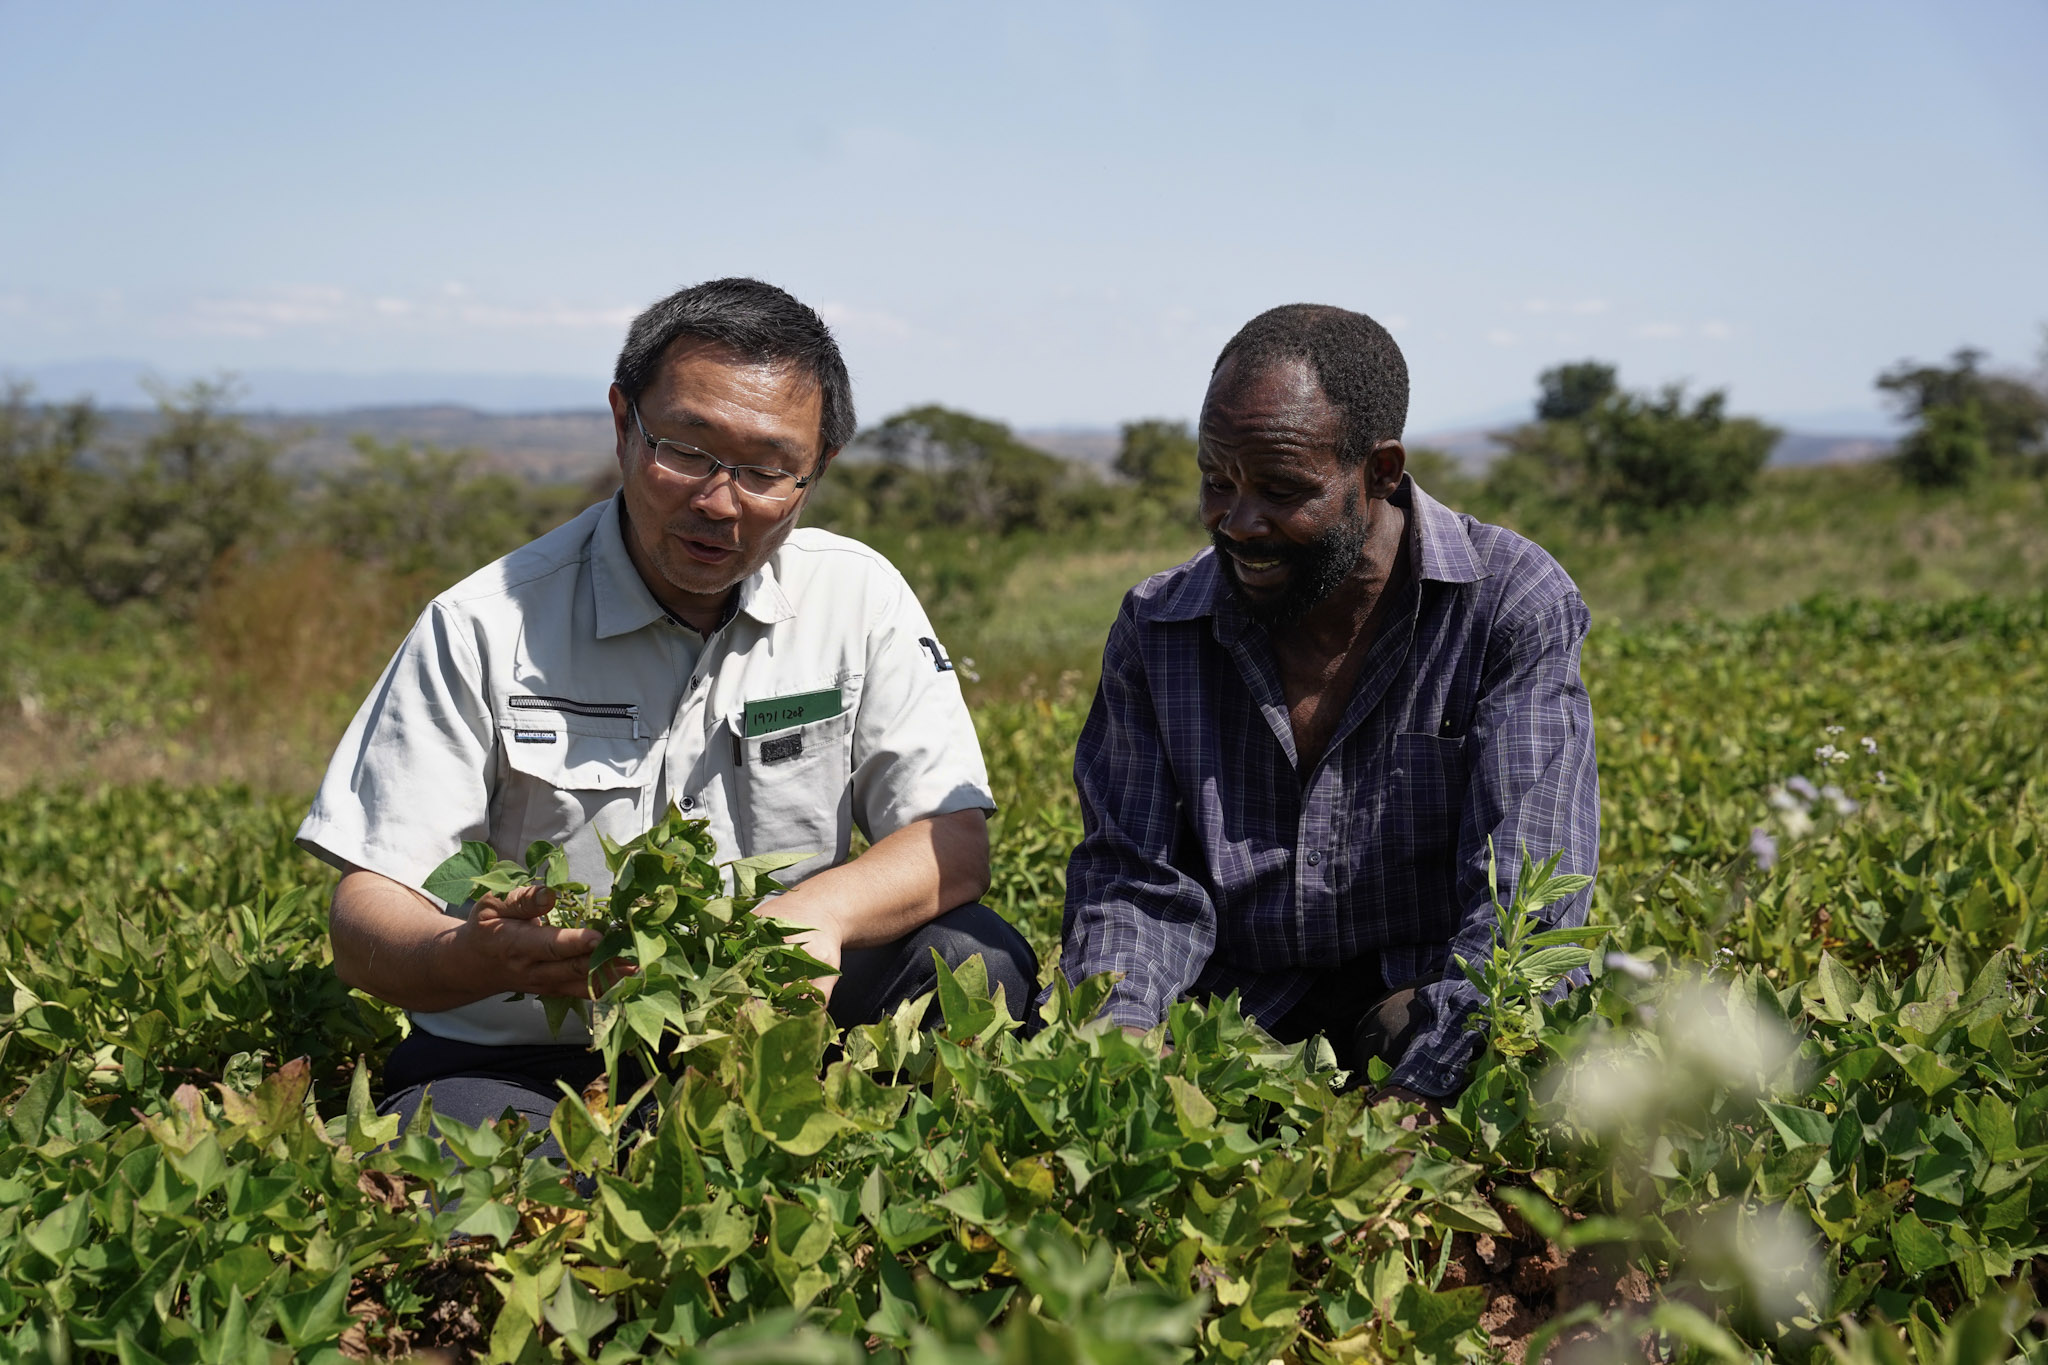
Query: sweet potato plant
{"points": [[1798, 1114]]}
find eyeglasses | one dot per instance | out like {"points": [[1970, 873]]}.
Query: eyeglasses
{"points": [[763, 482]]}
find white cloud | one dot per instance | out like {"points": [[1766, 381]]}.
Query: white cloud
{"points": [[1660, 331], [1588, 307], [311, 307], [1536, 305], [1716, 331], [1501, 336]]}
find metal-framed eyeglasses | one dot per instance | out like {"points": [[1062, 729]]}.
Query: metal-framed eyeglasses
{"points": [[765, 483]]}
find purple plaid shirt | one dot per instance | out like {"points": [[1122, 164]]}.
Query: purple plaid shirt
{"points": [[1210, 863]]}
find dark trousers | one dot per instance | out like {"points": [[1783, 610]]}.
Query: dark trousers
{"points": [[1353, 1008], [475, 1083]]}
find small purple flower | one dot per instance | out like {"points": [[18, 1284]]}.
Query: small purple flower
{"points": [[1843, 803], [1763, 848], [1802, 788], [1870, 746], [1834, 730]]}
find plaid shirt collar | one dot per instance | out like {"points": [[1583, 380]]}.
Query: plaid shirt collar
{"points": [[1437, 542]]}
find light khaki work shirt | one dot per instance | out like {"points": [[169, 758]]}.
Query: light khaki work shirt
{"points": [[549, 696]]}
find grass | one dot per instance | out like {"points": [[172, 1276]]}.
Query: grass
{"points": [[257, 685]]}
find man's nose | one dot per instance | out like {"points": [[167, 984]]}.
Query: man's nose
{"points": [[1243, 519], [717, 497]]}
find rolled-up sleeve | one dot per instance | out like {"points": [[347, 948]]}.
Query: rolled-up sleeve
{"points": [[1533, 785], [915, 752], [1130, 907], [410, 780]]}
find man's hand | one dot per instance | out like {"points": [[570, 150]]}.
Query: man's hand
{"points": [[394, 943], [824, 935], [510, 945]]}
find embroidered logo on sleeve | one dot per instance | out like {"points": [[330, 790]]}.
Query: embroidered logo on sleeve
{"points": [[782, 747], [534, 736]]}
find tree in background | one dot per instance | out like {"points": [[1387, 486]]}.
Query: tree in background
{"points": [[1636, 457], [1569, 392], [424, 510], [1159, 457], [1966, 420], [120, 523], [976, 471]]}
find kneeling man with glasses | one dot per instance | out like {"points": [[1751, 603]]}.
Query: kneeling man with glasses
{"points": [[683, 642]]}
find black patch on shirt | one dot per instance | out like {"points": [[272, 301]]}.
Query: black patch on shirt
{"points": [[534, 736], [782, 747]]}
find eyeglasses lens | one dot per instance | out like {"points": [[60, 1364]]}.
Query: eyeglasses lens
{"points": [[756, 481]]}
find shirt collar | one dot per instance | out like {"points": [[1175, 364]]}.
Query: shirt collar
{"points": [[1439, 547], [624, 603]]}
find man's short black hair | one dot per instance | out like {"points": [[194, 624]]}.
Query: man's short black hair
{"points": [[1355, 360], [757, 322]]}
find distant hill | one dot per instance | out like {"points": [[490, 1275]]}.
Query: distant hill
{"points": [[1475, 447], [570, 446]]}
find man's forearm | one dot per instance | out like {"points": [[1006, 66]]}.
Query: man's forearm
{"points": [[396, 944], [393, 943], [905, 881]]}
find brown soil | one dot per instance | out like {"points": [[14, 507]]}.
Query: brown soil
{"points": [[1531, 1281]]}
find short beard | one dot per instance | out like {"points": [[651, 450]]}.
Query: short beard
{"points": [[1317, 568]]}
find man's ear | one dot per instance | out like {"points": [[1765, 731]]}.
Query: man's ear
{"points": [[622, 424], [1384, 467]]}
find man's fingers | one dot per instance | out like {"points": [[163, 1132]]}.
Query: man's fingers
{"points": [[527, 902]]}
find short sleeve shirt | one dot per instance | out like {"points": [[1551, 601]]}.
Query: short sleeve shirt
{"points": [[549, 696]]}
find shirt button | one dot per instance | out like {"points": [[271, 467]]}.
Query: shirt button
{"points": [[688, 803], [1315, 856]]}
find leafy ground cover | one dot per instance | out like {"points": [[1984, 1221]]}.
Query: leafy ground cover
{"points": [[1799, 1114]]}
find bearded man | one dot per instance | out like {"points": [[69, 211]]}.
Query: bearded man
{"points": [[1310, 739]]}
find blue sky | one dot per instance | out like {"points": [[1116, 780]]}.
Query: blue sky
{"points": [[1048, 214]]}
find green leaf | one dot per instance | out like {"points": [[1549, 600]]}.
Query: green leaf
{"points": [[1917, 1246], [63, 1230], [451, 881], [32, 1110], [752, 876], [490, 1219], [366, 1131], [585, 1143], [1695, 1328], [781, 1092], [1800, 1127], [316, 1315], [578, 1314]]}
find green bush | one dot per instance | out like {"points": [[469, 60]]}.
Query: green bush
{"points": [[1966, 420], [149, 522], [1628, 457]]}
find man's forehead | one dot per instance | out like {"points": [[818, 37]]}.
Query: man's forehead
{"points": [[1281, 396], [707, 385]]}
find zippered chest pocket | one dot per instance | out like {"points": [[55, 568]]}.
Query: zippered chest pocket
{"points": [[537, 715], [571, 770]]}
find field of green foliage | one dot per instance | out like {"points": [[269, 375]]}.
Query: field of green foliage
{"points": [[1799, 1114]]}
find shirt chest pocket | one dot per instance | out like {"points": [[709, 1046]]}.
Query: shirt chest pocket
{"points": [[565, 777], [794, 791]]}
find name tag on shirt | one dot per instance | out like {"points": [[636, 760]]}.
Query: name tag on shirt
{"points": [[786, 713]]}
